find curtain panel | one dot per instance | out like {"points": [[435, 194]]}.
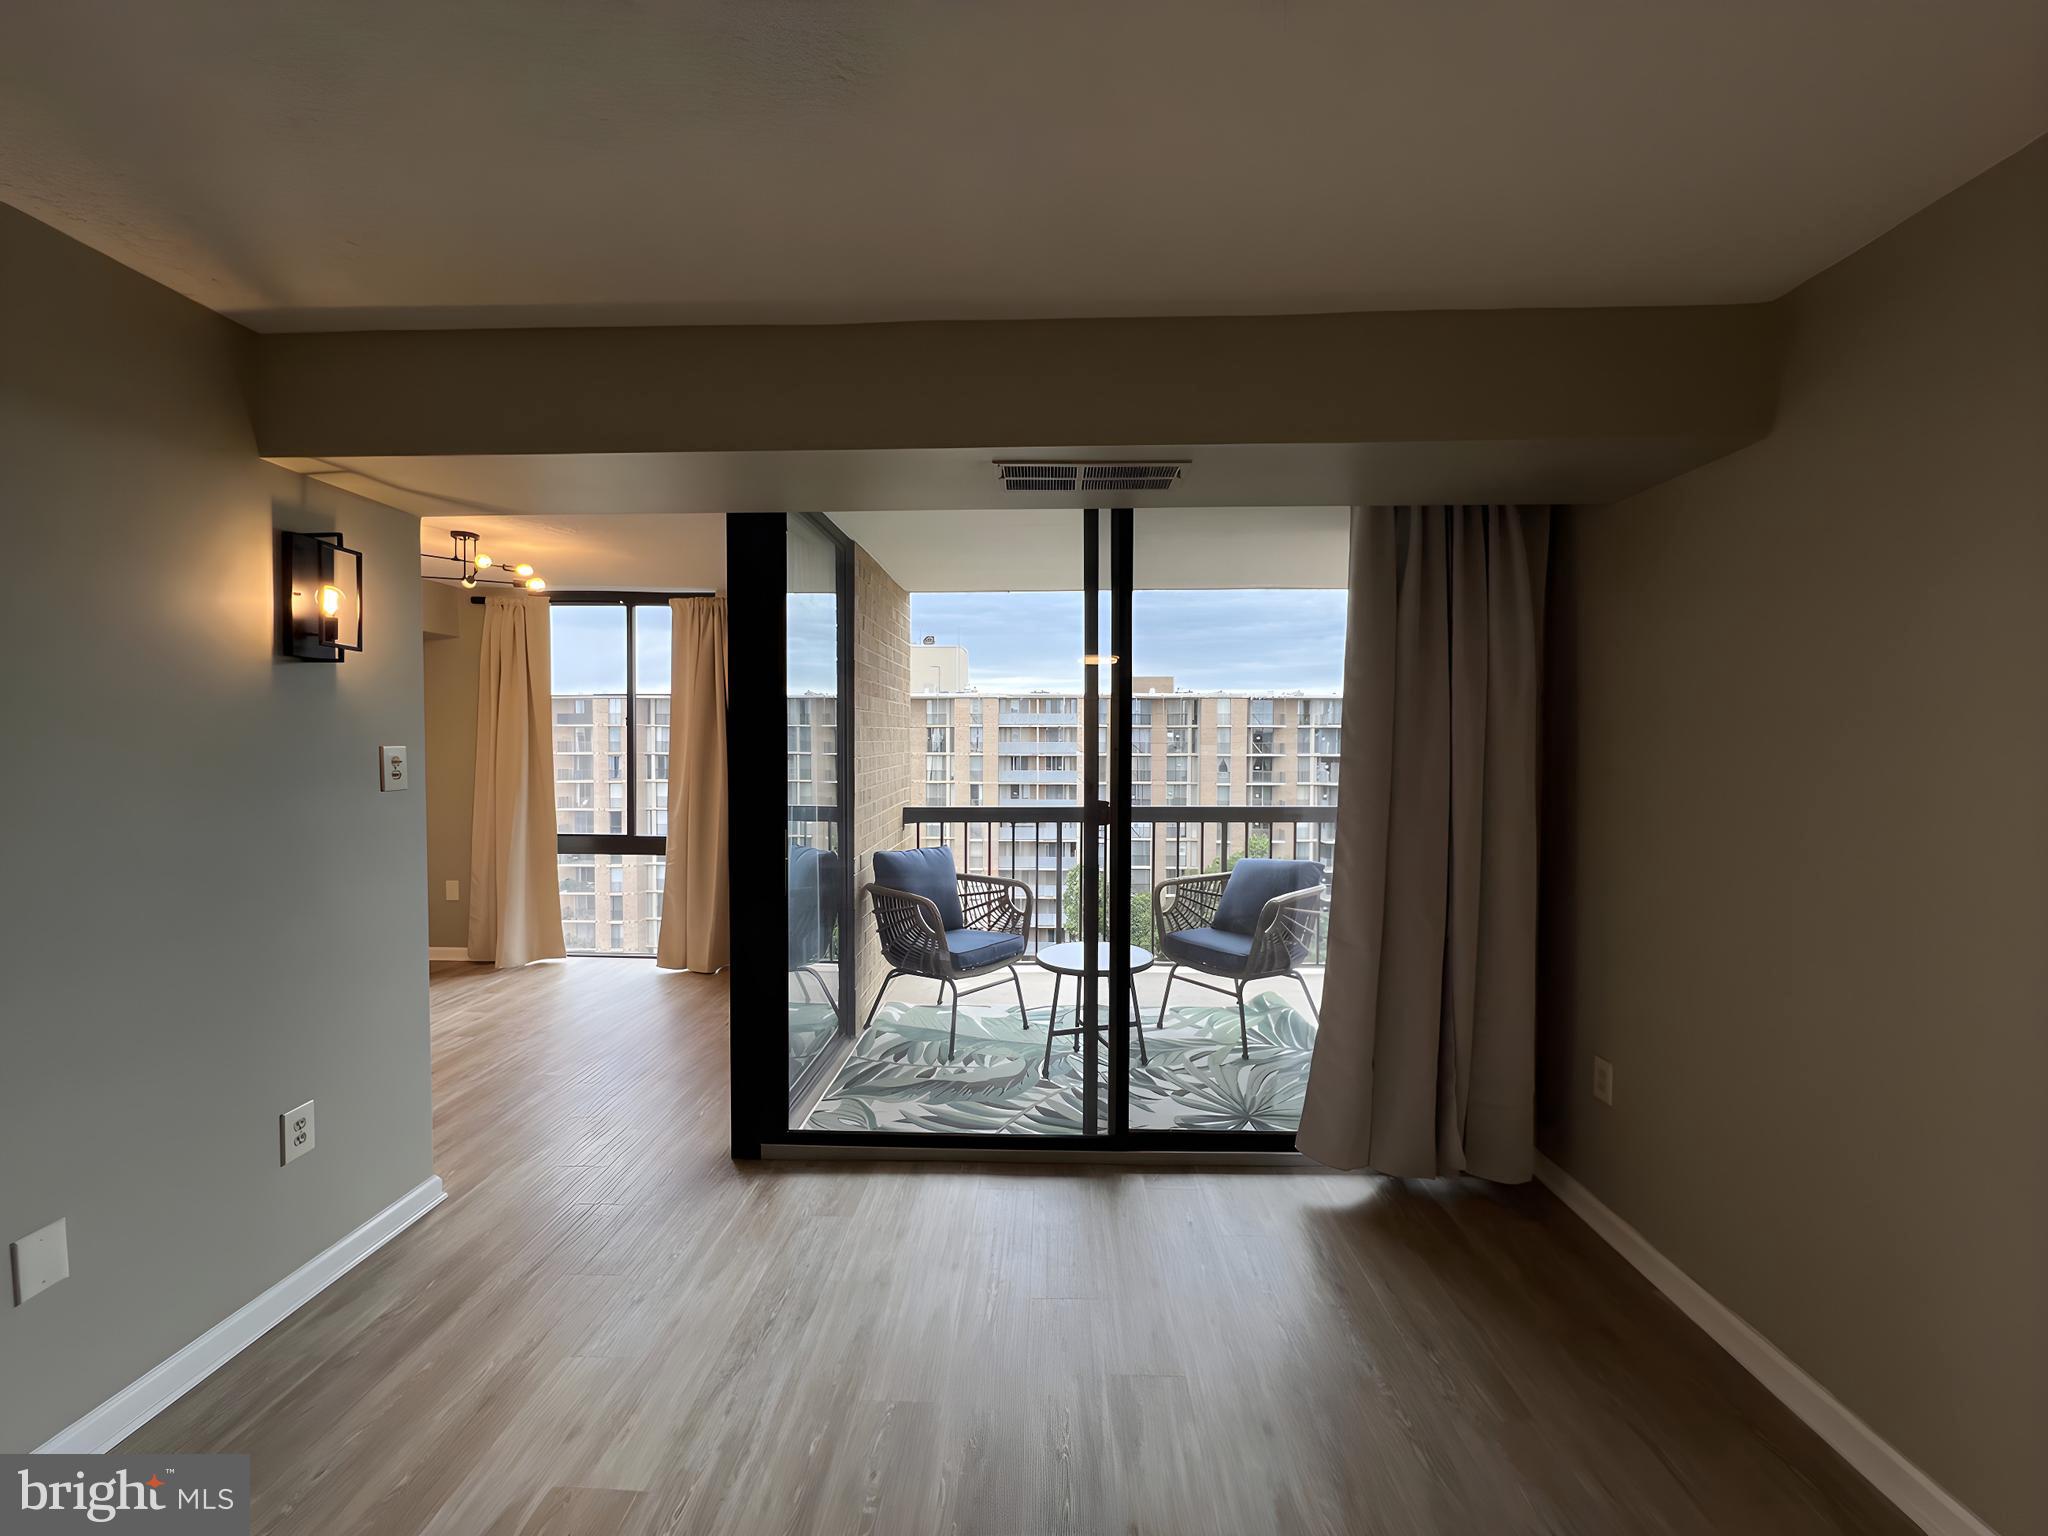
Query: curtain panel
{"points": [[515, 906], [1425, 1061], [696, 924]]}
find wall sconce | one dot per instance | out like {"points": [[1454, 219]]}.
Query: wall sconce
{"points": [[319, 596]]}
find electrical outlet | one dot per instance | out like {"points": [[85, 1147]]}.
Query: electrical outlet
{"points": [[392, 760], [452, 890], [39, 1260], [1603, 1080], [295, 1131]]}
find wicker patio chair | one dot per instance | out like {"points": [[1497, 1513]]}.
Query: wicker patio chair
{"points": [[947, 927], [1253, 924]]}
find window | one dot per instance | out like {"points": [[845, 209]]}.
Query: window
{"points": [[611, 658]]}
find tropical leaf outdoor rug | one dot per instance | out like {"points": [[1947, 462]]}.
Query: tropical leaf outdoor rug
{"points": [[898, 1078]]}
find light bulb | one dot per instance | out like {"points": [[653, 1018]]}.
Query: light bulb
{"points": [[469, 581], [330, 601], [535, 584], [522, 570], [483, 562]]}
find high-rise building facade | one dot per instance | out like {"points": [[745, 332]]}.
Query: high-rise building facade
{"points": [[1019, 755], [611, 902]]}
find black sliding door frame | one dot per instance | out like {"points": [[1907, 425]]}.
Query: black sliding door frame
{"points": [[756, 712]]}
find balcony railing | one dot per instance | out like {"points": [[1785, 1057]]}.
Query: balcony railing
{"points": [[1184, 840]]}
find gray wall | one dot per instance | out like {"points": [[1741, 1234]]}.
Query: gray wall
{"points": [[211, 913], [1797, 860]]}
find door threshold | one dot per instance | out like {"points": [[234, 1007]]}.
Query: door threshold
{"points": [[1010, 1152]]}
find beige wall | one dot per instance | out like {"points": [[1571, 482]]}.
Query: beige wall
{"points": [[454, 647], [1418, 376], [1798, 849], [889, 748], [217, 916]]}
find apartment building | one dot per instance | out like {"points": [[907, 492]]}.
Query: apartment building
{"points": [[611, 897], [1015, 759]]}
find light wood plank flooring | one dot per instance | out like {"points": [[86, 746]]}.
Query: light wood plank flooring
{"points": [[610, 1329]]}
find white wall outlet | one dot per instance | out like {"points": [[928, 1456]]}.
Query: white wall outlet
{"points": [[392, 761], [1603, 1080], [295, 1131], [40, 1260], [452, 889]]}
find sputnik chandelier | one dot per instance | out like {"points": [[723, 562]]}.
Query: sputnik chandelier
{"points": [[474, 564]]}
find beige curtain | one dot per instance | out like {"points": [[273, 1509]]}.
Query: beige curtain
{"points": [[695, 921], [515, 909], [1425, 1061]]}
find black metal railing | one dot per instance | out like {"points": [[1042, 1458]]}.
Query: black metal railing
{"points": [[1166, 842]]}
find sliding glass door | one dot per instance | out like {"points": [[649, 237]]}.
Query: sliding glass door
{"points": [[1019, 784], [817, 875], [1236, 653]]}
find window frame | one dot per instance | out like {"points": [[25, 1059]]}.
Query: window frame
{"points": [[631, 840]]}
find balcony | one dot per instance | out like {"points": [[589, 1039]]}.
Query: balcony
{"points": [[1190, 1075], [1167, 841], [1070, 716]]}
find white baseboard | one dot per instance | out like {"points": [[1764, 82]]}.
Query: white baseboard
{"points": [[447, 952], [1925, 1502], [142, 1400]]}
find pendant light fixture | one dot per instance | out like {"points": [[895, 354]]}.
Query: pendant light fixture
{"points": [[471, 563]]}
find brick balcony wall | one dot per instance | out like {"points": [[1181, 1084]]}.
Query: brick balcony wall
{"points": [[888, 749]]}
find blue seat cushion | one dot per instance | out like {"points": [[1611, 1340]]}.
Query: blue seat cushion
{"points": [[924, 872], [1254, 882], [1210, 948], [973, 948]]}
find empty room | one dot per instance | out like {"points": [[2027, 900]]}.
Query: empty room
{"points": [[1024, 768]]}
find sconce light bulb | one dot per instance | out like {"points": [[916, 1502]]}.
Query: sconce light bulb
{"points": [[523, 570], [330, 601], [483, 562], [469, 581], [535, 584]]}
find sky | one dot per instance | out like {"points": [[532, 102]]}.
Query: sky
{"points": [[587, 648], [1236, 641], [1264, 641]]}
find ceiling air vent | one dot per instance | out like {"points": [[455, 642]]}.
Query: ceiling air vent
{"points": [[1106, 475]]}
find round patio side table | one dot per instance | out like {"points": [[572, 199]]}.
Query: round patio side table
{"points": [[1065, 960]]}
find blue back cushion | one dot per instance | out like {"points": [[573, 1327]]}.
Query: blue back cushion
{"points": [[806, 895], [924, 872], [1254, 882]]}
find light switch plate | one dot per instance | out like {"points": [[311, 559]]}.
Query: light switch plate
{"points": [[40, 1260], [392, 767], [452, 889], [1603, 1080]]}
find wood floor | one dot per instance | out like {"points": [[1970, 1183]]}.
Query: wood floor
{"points": [[611, 1328]]}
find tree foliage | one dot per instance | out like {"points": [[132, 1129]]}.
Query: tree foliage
{"points": [[1138, 929]]}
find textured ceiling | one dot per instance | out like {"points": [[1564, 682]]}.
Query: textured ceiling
{"points": [[310, 163]]}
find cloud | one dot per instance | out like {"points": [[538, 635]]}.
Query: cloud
{"points": [[1252, 641]]}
